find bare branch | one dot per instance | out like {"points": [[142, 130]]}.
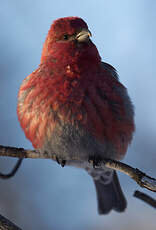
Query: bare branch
{"points": [[19, 152], [6, 224], [140, 177], [144, 197], [14, 170]]}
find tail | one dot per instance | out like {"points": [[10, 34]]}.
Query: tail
{"points": [[110, 196]]}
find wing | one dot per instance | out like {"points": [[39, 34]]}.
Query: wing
{"points": [[110, 69], [120, 90], [110, 113]]}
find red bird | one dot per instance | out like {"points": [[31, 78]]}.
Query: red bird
{"points": [[74, 105]]}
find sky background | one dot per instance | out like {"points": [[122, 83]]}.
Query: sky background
{"points": [[43, 195]]}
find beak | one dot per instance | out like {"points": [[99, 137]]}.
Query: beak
{"points": [[83, 36]]}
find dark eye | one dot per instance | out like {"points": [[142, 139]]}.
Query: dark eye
{"points": [[65, 36]]}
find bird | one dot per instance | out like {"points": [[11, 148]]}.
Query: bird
{"points": [[75, 106]]}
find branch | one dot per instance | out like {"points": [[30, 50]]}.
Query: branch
{"points": [[6, 224], [13, 171], [144, 197], [140, 177]]}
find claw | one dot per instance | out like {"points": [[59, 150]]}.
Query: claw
{"points": [[63, 162], [95, 159], [57, 160], [60, 161]]}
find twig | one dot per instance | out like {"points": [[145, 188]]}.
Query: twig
{"points": [[140, 177], [14, 170], [144, 197], [6, 224]]}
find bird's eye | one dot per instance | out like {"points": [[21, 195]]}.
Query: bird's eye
{"points": [[65, 36]]}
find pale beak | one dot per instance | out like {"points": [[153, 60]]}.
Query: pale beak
{"points": [[83, 36]]}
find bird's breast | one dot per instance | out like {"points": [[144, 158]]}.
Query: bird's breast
{"points": [[74, 113]]}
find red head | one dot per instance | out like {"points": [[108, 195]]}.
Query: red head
{"points": [[66, 26], [69, 35]]}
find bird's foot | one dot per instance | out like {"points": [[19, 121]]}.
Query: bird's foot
{"points": [[96, 160], [61, 161]]}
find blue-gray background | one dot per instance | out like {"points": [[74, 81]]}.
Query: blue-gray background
{"points": [[43, 195]]}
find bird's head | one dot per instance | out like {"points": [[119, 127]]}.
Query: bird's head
{"points": [[69, 29], [68, 34]]}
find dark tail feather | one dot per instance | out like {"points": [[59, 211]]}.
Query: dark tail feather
{"points": [[110, 196]]}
